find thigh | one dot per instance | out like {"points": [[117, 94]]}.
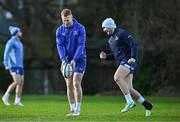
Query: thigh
{"points": [[129, 80], [17, 74], [132, 67], [16, 78], [22, 79], [122, 71], [69, 81], [77, 77], [22, 75]]}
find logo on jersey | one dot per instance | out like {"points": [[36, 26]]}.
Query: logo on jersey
{"points": [[116, 38], [126, 65], [81, 69], [63, 34], [75, 33], [129, 36]]}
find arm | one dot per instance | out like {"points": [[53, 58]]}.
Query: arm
{"points": [[60, 47], [8, 48], [110, 56], [81, 43], [132, 43]]}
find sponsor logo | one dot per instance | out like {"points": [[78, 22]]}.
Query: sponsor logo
{"points": [[17, 71], [75, 33], [129, 36], [81, 69], [116, 38], [126, 65], [63, 34]]}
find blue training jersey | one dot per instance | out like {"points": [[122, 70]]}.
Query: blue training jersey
{"points": [[13, 54], [123, 45], [71, 42]]}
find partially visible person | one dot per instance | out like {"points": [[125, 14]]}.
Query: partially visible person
{"points": [[71, 39], [13, 62], [125, 51]]}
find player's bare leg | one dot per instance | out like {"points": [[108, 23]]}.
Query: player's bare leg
{"points": [[19, 89], [16, 81], [70, 95], [129, 79], [77, 79], [120, 75], [135, 94]]}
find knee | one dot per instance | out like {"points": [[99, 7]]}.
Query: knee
{"points": [[69, 85], [17, 83], [131, 89], [22, 83], [77, 85], [118, 78]]}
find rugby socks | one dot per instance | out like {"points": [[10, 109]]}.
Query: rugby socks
{"points": [[17, 99], [128, 98], [6, 95], [78, 107], [72, 107], [141, 100], [147, 105]]}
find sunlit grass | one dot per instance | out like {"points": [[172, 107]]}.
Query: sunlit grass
{"points": [[94, 108]]}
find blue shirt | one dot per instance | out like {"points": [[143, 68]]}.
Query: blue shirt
{"points": [[13, 54], [71, 42], [123, 45]]}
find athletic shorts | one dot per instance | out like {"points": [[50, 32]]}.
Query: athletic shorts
{"points": [[80, 66], [131, 67], [17, 71]]}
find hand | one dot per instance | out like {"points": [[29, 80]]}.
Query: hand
{"points": [[7, 68], [73, 64], [61, 68], [131, 61], [103, 55]]}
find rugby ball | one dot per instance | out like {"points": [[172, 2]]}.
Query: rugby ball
{"points": [[67, 70]]}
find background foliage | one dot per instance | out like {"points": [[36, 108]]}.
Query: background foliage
{"points": [[155, 24]]}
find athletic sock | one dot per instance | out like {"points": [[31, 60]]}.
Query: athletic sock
{"points": [[6, 95], [141, 100], [128, 98], [17, 99], [147, 105], [78, 106], [72, 106]]}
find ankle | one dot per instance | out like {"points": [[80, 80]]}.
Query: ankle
{"points": [[147, 105]]}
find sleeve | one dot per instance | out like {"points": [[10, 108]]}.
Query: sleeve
{"points": [[132, 43], [81, 43], [60, 47], [7, 50], [110, 56]]}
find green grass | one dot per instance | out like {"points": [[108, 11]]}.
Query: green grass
{"points": [[54, 108]]}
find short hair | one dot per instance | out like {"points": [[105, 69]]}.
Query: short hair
{"points": [[66, 12]]}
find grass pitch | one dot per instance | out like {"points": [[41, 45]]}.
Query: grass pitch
{"points": [[94, 108]]}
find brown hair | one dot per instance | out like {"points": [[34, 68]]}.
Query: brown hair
{"points": [[66, 12]]}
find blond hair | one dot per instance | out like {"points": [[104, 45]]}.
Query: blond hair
{"points": [[66, 12]]}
